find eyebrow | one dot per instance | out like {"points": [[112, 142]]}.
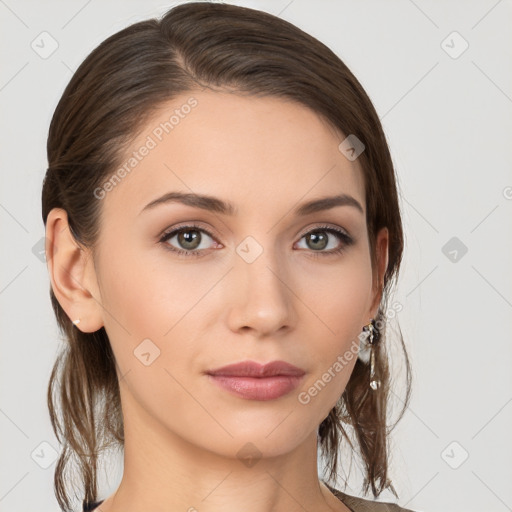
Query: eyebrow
{"points": [[217, 205]]}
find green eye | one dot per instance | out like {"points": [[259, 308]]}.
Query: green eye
{"points": [[190, 243]]}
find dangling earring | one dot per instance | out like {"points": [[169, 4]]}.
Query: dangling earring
{"points": [[372, 340]]}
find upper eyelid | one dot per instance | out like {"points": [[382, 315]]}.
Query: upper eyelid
{"points": [[190, 226]]}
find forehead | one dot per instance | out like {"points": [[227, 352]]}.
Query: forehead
{"points": [[253, 151]]}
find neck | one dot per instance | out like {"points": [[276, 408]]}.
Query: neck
{"points": [[163, 471]]}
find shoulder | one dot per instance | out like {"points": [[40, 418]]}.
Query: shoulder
{"points": [[363, 505]]}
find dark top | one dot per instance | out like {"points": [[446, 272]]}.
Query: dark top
{"points": [[353, 503], [88, 507], [362, 505]]}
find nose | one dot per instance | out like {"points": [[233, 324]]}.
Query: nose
{"points": [[261, 295]]}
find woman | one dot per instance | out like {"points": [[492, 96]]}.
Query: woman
{"points": [[223, 230]]}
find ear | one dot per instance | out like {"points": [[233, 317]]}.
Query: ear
{"points": [[72, 273], [381, 246]]}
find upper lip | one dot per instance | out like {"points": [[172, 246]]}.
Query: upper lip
{"points": [[254, 369]]}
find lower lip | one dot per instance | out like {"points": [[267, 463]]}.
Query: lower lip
{"points": [[257, 388]]}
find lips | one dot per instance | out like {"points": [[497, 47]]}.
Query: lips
{"points": [[253, 381], [254, 369]]}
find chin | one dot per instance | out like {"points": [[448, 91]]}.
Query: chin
{"points": [[261, 436]]}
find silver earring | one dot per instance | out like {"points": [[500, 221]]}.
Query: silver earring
{"points": [[373, 336], [77, 321]]}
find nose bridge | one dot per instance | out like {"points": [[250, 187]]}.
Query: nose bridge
{"points": [[258, 256]]}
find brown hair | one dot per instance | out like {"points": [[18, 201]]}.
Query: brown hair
{"points": [[103, 108]]}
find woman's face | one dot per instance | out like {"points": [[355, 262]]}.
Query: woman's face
{"points": [[256, 287]]}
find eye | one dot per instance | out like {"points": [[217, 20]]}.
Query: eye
{"points": [[189, 237], [319, 237]]}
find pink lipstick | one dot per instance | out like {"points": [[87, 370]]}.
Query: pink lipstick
{"points": [[254, 381]]}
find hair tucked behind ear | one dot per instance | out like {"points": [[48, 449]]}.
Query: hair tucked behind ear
{"points": [[103, 108]]}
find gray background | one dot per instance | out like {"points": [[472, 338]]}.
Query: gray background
{"points": [[447, 113]]}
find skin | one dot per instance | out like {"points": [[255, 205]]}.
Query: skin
{"points": [[182, 434]]}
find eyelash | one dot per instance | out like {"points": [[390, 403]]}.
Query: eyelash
{"points": [[342, 236]]}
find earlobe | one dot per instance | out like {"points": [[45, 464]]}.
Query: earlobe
{"points": [[71, 273]]}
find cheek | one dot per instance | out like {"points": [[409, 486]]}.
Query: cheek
{"points": [[339, 298], [153, 305], [151, 295], [339, 295]]}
